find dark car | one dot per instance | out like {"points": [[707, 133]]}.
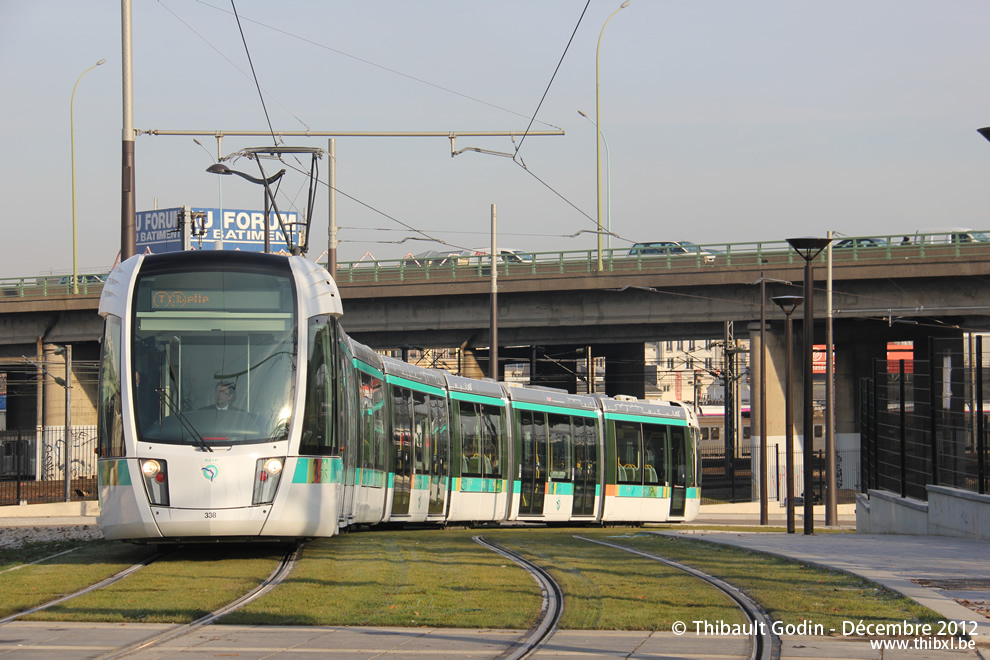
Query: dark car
{"points": [[81, 280], [673, 248], [858, 243]]}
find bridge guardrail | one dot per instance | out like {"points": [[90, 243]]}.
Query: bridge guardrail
{"points": [[895, 247], [891, 248]]}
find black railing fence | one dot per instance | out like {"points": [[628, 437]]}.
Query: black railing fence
{"points": [[732, 480], [32, 465], [924, 421]]}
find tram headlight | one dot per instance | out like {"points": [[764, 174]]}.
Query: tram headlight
{"points": [[155, 474], [267, 474]]}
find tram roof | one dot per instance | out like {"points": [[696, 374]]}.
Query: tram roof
{"points": [[667, 410], [411, 372], [485, 387], [549, 397]]}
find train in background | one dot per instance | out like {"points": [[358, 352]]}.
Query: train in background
{"points": [[233, 406]]}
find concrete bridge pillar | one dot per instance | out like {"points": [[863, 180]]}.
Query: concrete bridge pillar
{"points": [[624, 368]]}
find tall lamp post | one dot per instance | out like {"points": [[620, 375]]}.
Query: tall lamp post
{"points": [[788, 304], [219, 180], [608, 187], [809, 247], [72, 150], [598, 133]]}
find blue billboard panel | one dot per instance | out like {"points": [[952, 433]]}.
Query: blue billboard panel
{"points": [[171, 230]]}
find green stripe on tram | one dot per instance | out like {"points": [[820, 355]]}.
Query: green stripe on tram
{"points": [[645, 419], [413, 385], [477, 398], [556, 410], [368, 369], [318, 471], [653, 492], [480, 485], [370, 477], [560, 488], [114, 472]]}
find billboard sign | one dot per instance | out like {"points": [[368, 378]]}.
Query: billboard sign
{"points": [[185, 228]]}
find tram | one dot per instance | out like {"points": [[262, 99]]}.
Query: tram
{"points": [[233, 407]]}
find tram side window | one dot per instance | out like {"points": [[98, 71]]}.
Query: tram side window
{"points": [[402, 429], [561, 447], [480, 436], [317, 431], [421, 433], [470, 427], [347, 401], [628, 449], [682, 457], [585, 443], [492, 438], [373, 423], [439, 434], [111, 430], [654, 446]]}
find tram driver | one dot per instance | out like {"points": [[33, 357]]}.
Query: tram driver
{"points": [[225, 394]]}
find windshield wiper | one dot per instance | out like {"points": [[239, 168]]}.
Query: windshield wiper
{"points": [[182, 419]]}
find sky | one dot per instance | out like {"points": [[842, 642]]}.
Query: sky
{"points": [[726, 121]]}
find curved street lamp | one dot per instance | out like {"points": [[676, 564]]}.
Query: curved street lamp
{"points": [[608, 187], [788, 304], [72, 151], [809, 247], [220, 168], [598, 132]]}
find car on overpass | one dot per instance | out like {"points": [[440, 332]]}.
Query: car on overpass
{"points": [[859, 243], [671, 248]]}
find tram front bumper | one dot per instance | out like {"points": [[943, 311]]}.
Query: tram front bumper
{"points": [[244, 521]]}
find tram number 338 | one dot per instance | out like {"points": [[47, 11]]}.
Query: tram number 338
{"points": [[210, 514]]}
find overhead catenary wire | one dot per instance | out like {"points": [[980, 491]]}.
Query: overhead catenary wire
{"points": [[254, 73], [550, 84], [515, 157], [378, 66], [230, 61]]}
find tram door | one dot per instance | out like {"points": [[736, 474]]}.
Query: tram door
{"points": [[585, 466], [533, 462], [439, 456], [680, 468], [402, 449]]}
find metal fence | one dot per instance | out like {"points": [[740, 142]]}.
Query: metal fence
{"points": [[33, 465], [923, 422], [730, 480]]}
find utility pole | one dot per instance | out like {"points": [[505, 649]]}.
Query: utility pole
{"points": [[493, 351], [128, 213], [332, 242]]}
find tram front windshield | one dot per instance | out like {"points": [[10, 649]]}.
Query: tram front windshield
{"points": [[214, 354]]}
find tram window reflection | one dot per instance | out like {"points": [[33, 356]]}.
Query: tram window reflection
{"points": [[628, 448]]}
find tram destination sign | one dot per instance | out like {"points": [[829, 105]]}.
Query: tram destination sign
{"points": [[193, 228]]}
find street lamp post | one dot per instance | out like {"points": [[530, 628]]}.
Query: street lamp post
{"points": [[608, 188], [788, 304], [598, 132], [72, 151], [219, 180], [809, 248]]}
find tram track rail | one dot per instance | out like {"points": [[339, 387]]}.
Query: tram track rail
{"points": [[765, 644], [551, 609], [282, 570], [82, 592]]}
